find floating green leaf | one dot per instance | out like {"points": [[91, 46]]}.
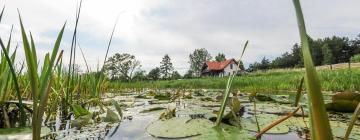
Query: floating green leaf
{"points": [[178, 127], [225, 132], [79, 111]]}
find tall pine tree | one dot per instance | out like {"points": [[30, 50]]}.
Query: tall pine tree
{"points": [[166, 67]]}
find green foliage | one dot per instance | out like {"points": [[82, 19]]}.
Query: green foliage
{"points": [[6, 80], [328, 56], [271, 81], [154, 74], [355, 58], [121, 66], [175, 75], [197, 60], [40, 84], [139, 75], [227, 90], [79, 111], [166, 67], [328, 50], [220, 57], [178, 127]]}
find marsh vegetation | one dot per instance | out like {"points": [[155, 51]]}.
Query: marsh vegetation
{"points": [[41, 100]]}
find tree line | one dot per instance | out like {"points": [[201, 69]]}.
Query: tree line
{"points": [[126, 67], [325, 51]]}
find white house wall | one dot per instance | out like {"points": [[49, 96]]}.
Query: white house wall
{"points": [[228, 71]]}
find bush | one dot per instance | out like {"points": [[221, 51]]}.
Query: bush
{"points": [[355, 58]]}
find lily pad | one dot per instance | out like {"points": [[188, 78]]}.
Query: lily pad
{"points": [[339, 130], [178, 127], [81, 121], [152, 109], [264, 120], [225, 132]]}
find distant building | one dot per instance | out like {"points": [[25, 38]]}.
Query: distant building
{"points": [[223, 68]]}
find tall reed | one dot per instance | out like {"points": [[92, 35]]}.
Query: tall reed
{"points": [[320, 127], [228, 89], [40, 83], [10, 61]]}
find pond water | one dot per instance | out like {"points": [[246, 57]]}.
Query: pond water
{"points": [[133, 125]]}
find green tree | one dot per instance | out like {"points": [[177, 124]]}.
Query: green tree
{"points": [[220, 57], [121, 66], [328, 56], [175, 75], [197, 60], [154, 74], [189, 74], [264, 65], [166, 67], [139, 75]]}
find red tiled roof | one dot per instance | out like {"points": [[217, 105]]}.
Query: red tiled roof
{"points": [[214, 65]]}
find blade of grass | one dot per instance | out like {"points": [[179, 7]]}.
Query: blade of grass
{"points": [[298, 92], [227, 90], [82, 53], [72, 56], [319, 117], [354, 118], [17, 88], [267, 128]]}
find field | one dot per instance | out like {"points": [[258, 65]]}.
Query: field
{"points": [[270, 81]]}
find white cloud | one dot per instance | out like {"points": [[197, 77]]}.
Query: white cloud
{"points": [[151, 28]]}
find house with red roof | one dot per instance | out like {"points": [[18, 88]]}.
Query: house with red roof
{"points": [[223, 68]]}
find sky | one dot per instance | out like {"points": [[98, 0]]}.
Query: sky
{"points": [[149, 29]]}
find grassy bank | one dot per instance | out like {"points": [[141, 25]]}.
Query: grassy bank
{"points": [[331, 80]]}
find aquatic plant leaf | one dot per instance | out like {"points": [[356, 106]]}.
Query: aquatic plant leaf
{"points": [[168, 114], [79, 111], [111, 116], [264, 120], [342, 106], [224, 132], [178, 127], [227, 90], [81, 121], [320, 127], [117, 107], [152, 109]]}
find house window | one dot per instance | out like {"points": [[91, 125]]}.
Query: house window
{"points": [[231, 66]]}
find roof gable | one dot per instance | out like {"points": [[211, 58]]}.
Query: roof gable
{"points": [[214, 65]]}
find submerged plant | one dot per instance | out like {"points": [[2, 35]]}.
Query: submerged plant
{"points": [[320, 127]]}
